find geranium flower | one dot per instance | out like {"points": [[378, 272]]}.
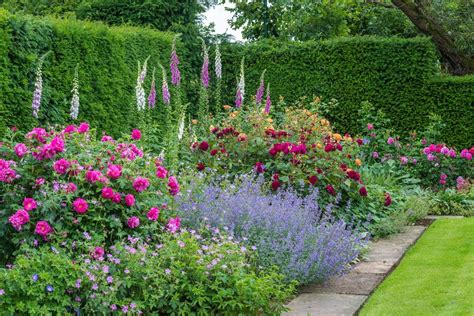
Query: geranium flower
{"points": [[98, 253]]}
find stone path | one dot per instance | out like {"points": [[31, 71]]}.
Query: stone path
{"points": [[345, 295]]}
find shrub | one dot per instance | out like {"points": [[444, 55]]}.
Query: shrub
{"points": [[304, 241], [61, 183], [186, 272]]}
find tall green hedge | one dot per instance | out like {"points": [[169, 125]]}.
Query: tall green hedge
{"points": [[107, 59], [400, 76]]}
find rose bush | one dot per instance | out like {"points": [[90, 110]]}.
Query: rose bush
{"points": [[302, 150], [58, 184]]}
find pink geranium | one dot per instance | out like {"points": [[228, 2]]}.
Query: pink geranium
{"points": [[114, 171], [29, 204], [133, 222], [98, 253], [173, 224], [20, 150], [153, 214], [43, 229], [129, 200], [80, 206], [61, 166], [140, 184], [20, 218]]}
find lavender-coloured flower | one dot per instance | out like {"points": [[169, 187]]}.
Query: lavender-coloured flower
{"points": [[174, 62], [292, 232], [218, 63], [49, 288], [205, 66], [75, 96], [261, 89], [238, 98], [268, 102], [152, 95], [164, 87], [35, 105]]}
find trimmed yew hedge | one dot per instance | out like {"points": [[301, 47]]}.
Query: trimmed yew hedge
{"points": [[400, 76]]}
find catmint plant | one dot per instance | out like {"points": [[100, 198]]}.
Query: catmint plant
{"points": [[297, 234], [75, 95]]}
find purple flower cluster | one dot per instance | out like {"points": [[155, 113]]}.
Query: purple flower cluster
{"points": [[205, 67], [306, 242], [174, 62]]}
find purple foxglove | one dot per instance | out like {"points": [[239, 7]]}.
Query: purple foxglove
{"points": [[75, 96], [260, 90], [205, 66], [152, 95], [164, 87], [268, 102], [174, 62], [218, 63], [238, 98]]}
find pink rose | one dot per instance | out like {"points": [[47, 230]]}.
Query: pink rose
{"points": [[69, 129], [136, 134], [116, 198], [106, 139], [153, 214], [83, 128], [133, 222], [80, 206], [161, 172], [98, 253], [93, 176], [71, 188], [140, 184], [20, 149], [370, 126], [107, 193], [114, 171], [173, 185], [29, 204], [43, 229], [20, 218], [129, 200], [61, 166]]}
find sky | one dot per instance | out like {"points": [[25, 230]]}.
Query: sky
{"points": [[219, 16]]}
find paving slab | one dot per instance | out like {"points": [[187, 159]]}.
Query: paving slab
{"points": [[325, 304], [344, 295]]}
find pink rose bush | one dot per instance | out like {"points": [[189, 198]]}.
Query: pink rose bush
{"points": [[57, 184]]}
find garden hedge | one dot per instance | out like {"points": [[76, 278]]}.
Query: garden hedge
{"points": [[399, 76], [107, 59]]}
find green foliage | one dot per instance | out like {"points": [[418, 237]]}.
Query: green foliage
{"points": [[452, 202], [399, 76], [107, 59]]}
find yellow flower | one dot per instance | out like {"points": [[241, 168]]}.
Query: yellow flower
{"points": [[358, 162], [324, 122], [269, 120], [318, 145], [194, 121]]}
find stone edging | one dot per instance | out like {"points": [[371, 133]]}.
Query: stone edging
{"points": [[345, 295]]}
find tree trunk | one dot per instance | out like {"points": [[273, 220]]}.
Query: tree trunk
{"points": [[459, 64]]}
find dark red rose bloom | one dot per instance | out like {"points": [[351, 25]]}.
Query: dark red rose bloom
{"points": [[359, 141], [388, 199], [329, 147], [194, 145], [213, 152], [259, 167], [275, 184], [354, 175], [223, 150], [330, 189], [339, 147], [319, 171], [343, 167], [215, 130], [363, 191], [200, 166], [313, 179], [204, 146], [275, 176], [272, 151]]}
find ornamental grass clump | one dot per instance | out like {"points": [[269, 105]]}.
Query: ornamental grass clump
{"points": [[294, 233]]}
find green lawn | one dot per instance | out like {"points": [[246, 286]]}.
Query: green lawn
{"points": [[436, 277]]}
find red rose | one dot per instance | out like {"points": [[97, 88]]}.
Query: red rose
{"points": [[213, 152], [363, 191], [330, 189], [359, 141], [351, 174], [200, 166], [275, 184], [338, 146], [343, 167], [329, 147], [272, 151], [313, 179], [388, 199], [204, 146]]}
